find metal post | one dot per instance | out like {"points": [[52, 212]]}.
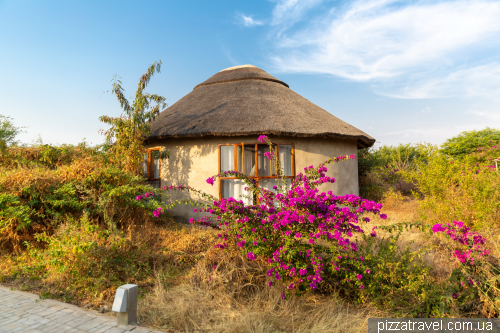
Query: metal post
{"points": [[125, 304]]}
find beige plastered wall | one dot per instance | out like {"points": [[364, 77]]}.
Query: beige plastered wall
{"points": [[193, 160]]}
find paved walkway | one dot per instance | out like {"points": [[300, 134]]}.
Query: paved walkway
{"points": [[26, 313]]}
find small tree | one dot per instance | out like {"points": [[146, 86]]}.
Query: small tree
{"points": [[125, 138], [469, 141], [8, 132]]}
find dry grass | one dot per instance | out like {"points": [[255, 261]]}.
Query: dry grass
{"points": [[233, 298], [437, 255]]}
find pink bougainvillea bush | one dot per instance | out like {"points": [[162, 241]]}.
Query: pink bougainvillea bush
{"points": [[476, 275], [303, 233]]}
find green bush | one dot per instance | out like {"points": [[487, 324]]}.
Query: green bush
{"points": [[44, 185], [463, 190], [400, 280], [8, 133], [380, 169], [469, 141]]}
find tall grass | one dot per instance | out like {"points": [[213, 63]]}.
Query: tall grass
{"points": [[227, 293]]}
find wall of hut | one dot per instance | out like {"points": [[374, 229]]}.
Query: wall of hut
{"points": [[193, 160]]}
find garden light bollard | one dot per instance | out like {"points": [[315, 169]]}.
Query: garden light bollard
{"points": [[125, 304]]}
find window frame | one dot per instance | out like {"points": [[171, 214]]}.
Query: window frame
{"points": [[256, 177], [149, 170]]}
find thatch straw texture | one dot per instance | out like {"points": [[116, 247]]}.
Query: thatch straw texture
{"points": [[249, 101]]}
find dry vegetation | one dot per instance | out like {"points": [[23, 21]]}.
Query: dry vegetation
{"points": [[233, 298], [188, 286], [185, 284]]}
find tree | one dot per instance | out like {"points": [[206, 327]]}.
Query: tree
{"points": [[469, 141], [125, 138], [8, 132]]}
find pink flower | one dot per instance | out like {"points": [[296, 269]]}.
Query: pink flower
{"points": [[157, 212], [368, 271], [359, 276], [251, 256], [269, 155], [211, 181], [263, 138], [383, 216], [438, 227]]}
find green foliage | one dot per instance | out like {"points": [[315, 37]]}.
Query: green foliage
{"points": [[11, 209], [44, 185], [399, 279], [469, 141], [379, 169], [8, 132], [402, 156], [125, 137], [461, 190]]}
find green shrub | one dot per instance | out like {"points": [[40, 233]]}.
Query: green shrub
{"points": [[8, 133], [462, 190], [469, 141], [48, 184], [400, 280], [11, 209], [380, 169]]}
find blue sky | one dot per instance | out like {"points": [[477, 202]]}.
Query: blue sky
{"points": [[402, 71]]}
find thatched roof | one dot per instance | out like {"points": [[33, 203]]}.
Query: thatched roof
{"points": [[245, 100]]}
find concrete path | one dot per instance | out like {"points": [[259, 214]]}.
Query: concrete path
{"points": [[26, 313]]}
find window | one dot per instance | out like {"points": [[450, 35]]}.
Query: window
{"points": [[251, 161], [151, 167]]}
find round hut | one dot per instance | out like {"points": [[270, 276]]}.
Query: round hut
{"points": [[215, 128]]}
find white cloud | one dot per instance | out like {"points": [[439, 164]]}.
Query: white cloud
{"points": [[481, 80], [491, 115], [408, 49], [248, 21], [426, 110], [290, 11]]}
